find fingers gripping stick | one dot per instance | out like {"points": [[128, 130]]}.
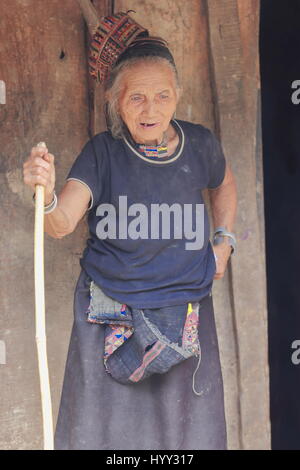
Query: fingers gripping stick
{"points": [[40, 323]]}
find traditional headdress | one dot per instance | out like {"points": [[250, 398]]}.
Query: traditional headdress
{"points": [[116, 38]]}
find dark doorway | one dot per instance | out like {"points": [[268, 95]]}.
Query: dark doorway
{"points": [[280, 67]]}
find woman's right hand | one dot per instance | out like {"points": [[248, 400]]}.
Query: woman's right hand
{"points": [[39, 169]]}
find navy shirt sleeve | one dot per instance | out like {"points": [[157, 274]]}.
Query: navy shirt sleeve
{"points": [[87, 169], [216, 162]]}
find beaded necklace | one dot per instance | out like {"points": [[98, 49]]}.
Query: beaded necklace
{"points": [[155, 151]]}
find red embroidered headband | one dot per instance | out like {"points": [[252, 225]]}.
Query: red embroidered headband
{"points": [[112, 37]]}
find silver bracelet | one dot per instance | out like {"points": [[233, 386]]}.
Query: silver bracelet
{"points": [[219, 235], [50, 207]]}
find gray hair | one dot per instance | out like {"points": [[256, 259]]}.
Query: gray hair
{"points": [[113, 89]]}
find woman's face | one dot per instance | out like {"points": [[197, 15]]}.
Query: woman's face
{"points": [[148, 101]]}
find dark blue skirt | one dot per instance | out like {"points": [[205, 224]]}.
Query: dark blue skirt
{"points": [[160, 413]]}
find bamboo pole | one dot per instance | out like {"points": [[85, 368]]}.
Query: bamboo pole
{"points": [[40, 323]]}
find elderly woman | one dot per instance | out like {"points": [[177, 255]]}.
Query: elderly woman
{"points": [[146, 158]]}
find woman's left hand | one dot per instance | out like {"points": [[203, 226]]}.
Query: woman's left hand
{"points": [[222, 252]]}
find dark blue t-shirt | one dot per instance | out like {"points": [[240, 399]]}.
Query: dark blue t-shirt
{"points": [[149, 260]]}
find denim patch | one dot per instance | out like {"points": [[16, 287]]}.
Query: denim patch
{"points": [[104, 309], [141, 342]]}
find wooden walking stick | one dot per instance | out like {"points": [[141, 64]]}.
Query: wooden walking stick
{"points": [[40, 323]]}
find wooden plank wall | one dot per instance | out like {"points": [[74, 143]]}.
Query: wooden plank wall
{"points": [[51, 98], [43, 63], [234, 59]]}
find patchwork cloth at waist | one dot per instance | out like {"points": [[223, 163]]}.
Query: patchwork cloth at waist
{"points": [[140, 342]]}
